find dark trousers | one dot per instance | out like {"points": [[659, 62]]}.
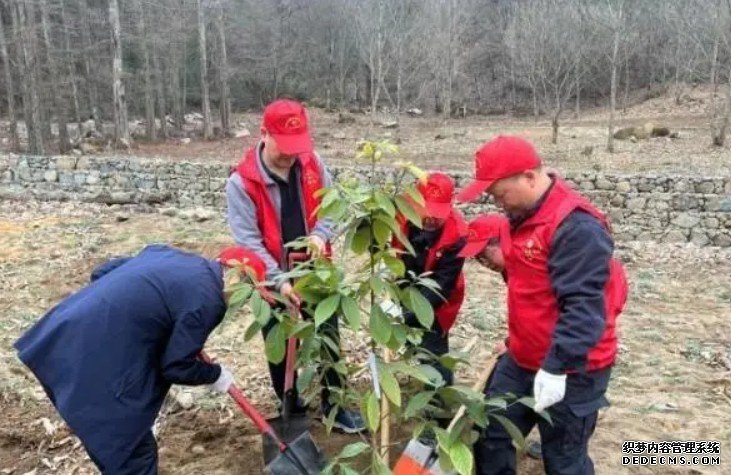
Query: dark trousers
{"points": [[142, 460], [564, 443], [277, 371]]}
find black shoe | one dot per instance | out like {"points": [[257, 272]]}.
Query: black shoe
{"points": [[346, 420]]}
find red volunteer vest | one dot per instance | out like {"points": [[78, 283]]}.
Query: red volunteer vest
{"points": [[532, 306], [455, 228], [266, 215]]}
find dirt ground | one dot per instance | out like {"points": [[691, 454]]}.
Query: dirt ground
{"points": [[672, 381]]}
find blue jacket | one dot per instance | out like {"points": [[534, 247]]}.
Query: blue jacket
{"points": [[107, 355]]}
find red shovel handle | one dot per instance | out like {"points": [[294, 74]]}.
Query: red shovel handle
{"points": [[249, 409]]}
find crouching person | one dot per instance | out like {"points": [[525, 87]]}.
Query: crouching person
{"points": [[437, 245], [107, 355]]}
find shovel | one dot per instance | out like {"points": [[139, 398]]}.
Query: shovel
{"points": [[421, 459], [299, 456], [289, 425]]}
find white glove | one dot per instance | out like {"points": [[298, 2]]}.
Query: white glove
{"points": [[390, 308], [224, 381], [548, 389]]}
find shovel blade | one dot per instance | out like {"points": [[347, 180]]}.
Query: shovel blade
{"points": [[302, 457], [287, 430], [419, 459]]}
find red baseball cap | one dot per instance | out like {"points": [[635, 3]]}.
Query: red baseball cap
{"points": [[237, 255], [501, 157], [437, 191], [287, 123], [482, 229]]}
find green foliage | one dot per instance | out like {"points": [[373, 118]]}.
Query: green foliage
{"points": [[372, 297]]}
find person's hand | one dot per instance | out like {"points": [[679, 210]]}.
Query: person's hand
{"points": [[224, 381], [500, 348], [316, 245], [548, 389], [288, 292]]}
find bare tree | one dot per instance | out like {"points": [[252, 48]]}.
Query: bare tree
{"points": [[60, 105], [121, 124], [29, 71], [87, 53], [205, 100], [146, 68], [225, 100], [10, 90], [69, 58]]}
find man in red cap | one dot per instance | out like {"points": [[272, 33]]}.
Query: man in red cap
{"points": [[487, 235], [565, 292], [437, 246], [272, 201]]}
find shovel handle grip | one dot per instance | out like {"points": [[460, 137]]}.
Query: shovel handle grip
{"points": [[479, 384], [247, 408]]}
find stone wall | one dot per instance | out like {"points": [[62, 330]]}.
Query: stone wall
{"points": [[641, 207]]}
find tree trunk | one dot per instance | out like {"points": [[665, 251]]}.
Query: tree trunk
{"points": [[554, 119], [205, 100], [184, 87], [121, 124], [625, 101], [160, 86], [613, 92], [90, 80], [225, 105], [30, 84], [71, 64], [720, 139], [59, 104], [14, 138], [714, 61], [149, 93], [577, 112]]}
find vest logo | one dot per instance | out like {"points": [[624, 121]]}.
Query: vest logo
{"points": [[532, 249], [310, 178]]}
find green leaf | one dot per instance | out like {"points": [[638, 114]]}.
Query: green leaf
{"points": [[302, 329], [240, 295], [261, 309], [395, 265], [498, 402], [326, 309], [373, 413], [415, 194], [351, 312], [252, 331], [361, 240], [385, 203], [381, 231], [417, 403], [461, 457], [381, 467], [331, 196], [305, 378], [377, 284], [408, 211], [390, 386], [512, 430], [422, 308], [434, 376], [396, 229], [275, 344], [346, 470], [352, 450], [379, 325]]}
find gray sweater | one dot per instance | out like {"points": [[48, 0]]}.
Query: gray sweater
{"points": [[245, 227]]}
